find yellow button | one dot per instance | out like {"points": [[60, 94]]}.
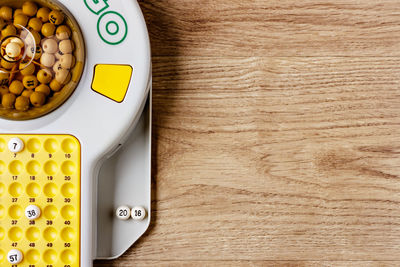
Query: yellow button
{"points": [[112, 81]]}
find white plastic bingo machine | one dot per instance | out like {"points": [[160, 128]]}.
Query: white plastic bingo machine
{"points": [[75, 113]]}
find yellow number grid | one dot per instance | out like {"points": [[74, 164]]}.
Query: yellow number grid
{"points": [[46, 173]]}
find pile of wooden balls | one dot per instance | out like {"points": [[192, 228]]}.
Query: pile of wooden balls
{"points": [[48, 60]]}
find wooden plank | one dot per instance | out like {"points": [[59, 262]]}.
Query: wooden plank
{"points": [[287, 158], [274, 28]]}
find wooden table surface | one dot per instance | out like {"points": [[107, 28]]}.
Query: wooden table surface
{"points": [[276, 134]]}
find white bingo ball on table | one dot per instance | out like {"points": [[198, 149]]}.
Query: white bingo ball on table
{"points": [[123, 213], [138, 213]]}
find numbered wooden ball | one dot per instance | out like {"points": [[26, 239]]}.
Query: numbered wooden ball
{"points": [[13, 50], [48, 29], [50, 46], [21, 20], [35, 24], [16, 87], [29, 8], [30, 82], [48, 60], [66, 46], [44, 76], [56, 17], [6, 13], [43, 14], [22, 103], [63, 32], [27, 68], [15, 256], [38, 99], [32, 212], [123, 213], [138, 213], [43, 88], [55, 86], [8, 100]]}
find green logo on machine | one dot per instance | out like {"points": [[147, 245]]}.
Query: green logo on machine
{"points": [[111, 26]]}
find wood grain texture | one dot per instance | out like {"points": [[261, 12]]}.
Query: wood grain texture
{"points": [[279, 151], [274, 28]]}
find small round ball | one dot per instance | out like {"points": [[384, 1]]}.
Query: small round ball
{"points": [[35, 24], [8, 31], [67, 61], [62, 76], [55, 85], [43, 14], [17, 12], [48, 29], [7, 65], [29, 8], [50, 46], [21, 20], [8, 100], [63, 32], [27, 93], [38, 99], [30, 82], [13, 50], [26, 68], [56, 17], [44, 76], [16, 87], [43, 88], [34, 53], [57, 66], [48, 60], [6, 12], [66, 46], [22, 103]]}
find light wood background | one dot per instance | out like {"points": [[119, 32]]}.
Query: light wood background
{"points": [[276, 134]]}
